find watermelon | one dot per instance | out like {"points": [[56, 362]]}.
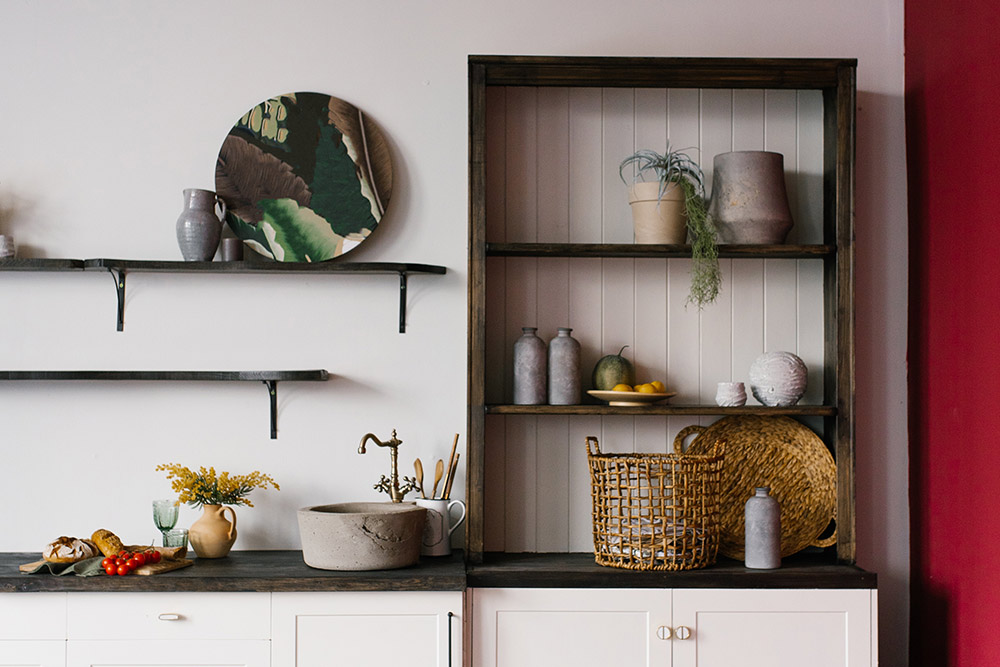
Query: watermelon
{"points": [[613, 369]]}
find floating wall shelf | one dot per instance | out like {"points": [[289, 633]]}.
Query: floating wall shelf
{"points": [[118, 268], [269, 378]]}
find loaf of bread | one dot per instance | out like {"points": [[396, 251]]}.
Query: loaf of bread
{"points": [[69, 550], [107, 542]]}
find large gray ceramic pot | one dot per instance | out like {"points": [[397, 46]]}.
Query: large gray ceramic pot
{"points": [[749, 203]]}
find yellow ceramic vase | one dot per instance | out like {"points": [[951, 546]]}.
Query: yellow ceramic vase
{"points": [[212, 536]]}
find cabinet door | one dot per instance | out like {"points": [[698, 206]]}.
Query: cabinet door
{"points": [[169, 653], [374, 629], [584, 628], [32, 653], [772, 628]]}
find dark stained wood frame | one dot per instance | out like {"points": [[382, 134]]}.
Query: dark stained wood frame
{"points": [[836, 79]]}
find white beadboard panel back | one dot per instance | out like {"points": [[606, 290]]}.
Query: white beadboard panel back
{"points": [[553, 160]]}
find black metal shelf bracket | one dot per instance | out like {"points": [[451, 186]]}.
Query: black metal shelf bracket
{"points": [[272, 390], [402, 302], [119, 276]]}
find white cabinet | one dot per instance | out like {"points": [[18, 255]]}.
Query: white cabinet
{"points": [[33, 630], [168, 653], [168, 629], [21, 653], [680, 627], [374, 629]]}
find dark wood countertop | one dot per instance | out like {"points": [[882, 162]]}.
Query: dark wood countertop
{"points": [[284, 571], [578, 570], [268, 571]]}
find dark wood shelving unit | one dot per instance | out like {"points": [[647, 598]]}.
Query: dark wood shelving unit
{"points": [[835, 79], [269, 378], [119, 268]]}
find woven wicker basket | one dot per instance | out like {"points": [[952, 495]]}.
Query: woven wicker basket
{"points": [[655, 511]]}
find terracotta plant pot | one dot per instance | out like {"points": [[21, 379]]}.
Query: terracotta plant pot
{"points": [[658, 220], [212, 536]]}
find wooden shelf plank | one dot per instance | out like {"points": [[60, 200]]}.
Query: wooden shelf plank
{"points": [[184, 376], [654, 250], [667, 409], [40, 264], [172, 266], [642, 72]]}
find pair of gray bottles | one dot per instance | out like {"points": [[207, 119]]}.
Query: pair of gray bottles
{"points": [[546, 373]]}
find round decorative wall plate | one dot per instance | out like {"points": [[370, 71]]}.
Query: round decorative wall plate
{"points": [[306, 177]]}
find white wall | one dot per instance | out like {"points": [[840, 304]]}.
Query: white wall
{"points": [[110, 109]]}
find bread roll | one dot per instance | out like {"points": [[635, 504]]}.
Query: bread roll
{"points": [[107, 542], [69, 550]]}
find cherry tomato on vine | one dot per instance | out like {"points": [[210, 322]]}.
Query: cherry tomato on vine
{"points": [[123, 570], [154, 557]]}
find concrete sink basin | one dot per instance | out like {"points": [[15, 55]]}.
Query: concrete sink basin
{"points": [[361, 536]]}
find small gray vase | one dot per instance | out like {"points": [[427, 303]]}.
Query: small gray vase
{"points": [[762, 547], [564, 369], [529, 368], [198, 227]]}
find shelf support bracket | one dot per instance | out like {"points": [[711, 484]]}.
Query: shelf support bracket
{"points": [[402, 302], [272, 390], [119, 277]]}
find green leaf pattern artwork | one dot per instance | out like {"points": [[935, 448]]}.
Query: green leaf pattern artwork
{"points": [[305, 177]]}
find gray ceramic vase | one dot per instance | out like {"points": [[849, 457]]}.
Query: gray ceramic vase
{"points": [[564, 369], [529, 368], [763, 531], [749, 202], [198, 227]]}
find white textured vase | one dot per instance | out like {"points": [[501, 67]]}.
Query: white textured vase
{"points": [[778, 378]]}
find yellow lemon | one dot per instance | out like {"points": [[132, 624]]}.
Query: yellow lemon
{"points": [[622, 387], [658, 386], [646, 389]]}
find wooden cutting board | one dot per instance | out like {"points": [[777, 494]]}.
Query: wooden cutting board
{"points": [[162, 566]]}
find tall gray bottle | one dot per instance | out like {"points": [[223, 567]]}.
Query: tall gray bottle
{"points": [[564, 369], [762, 542], [529, 368]]}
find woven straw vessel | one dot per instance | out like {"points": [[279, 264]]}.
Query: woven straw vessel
{"points": [[781, 453]]}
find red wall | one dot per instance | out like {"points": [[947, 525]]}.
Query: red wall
{"points": [[953, 156]]}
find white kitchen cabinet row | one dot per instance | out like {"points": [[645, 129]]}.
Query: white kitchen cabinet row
{"points": [[374, 629], [536, 627], [689, 627]]}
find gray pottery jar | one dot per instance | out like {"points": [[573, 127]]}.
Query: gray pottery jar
{"points": [[198, 227], [564, 369], [749, 202], [529, 368], [763, 531]]}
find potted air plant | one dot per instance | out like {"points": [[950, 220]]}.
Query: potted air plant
{"points": [[671, 209]]}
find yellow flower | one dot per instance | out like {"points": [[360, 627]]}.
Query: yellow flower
{"points": [[205, 487]]}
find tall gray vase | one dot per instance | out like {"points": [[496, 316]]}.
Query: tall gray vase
{"points": [[529, 368], [749, 202], [564, 369], [198, 227], [762, 519]]}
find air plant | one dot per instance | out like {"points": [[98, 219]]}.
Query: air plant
{"points": [[676, 168]]}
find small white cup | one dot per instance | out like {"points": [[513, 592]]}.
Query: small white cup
{"points": [[730, 394], [6, 246], [438, 526]]}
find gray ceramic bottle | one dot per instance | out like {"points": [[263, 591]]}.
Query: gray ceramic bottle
{"points": [[564, 369], [529, 368], [762, 543]]}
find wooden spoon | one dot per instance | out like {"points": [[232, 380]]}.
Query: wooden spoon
{"points": [[438, 474], [419, 467]]}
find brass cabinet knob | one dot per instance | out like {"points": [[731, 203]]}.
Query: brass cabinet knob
{"points": [[683, 632], [664, 632]]}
